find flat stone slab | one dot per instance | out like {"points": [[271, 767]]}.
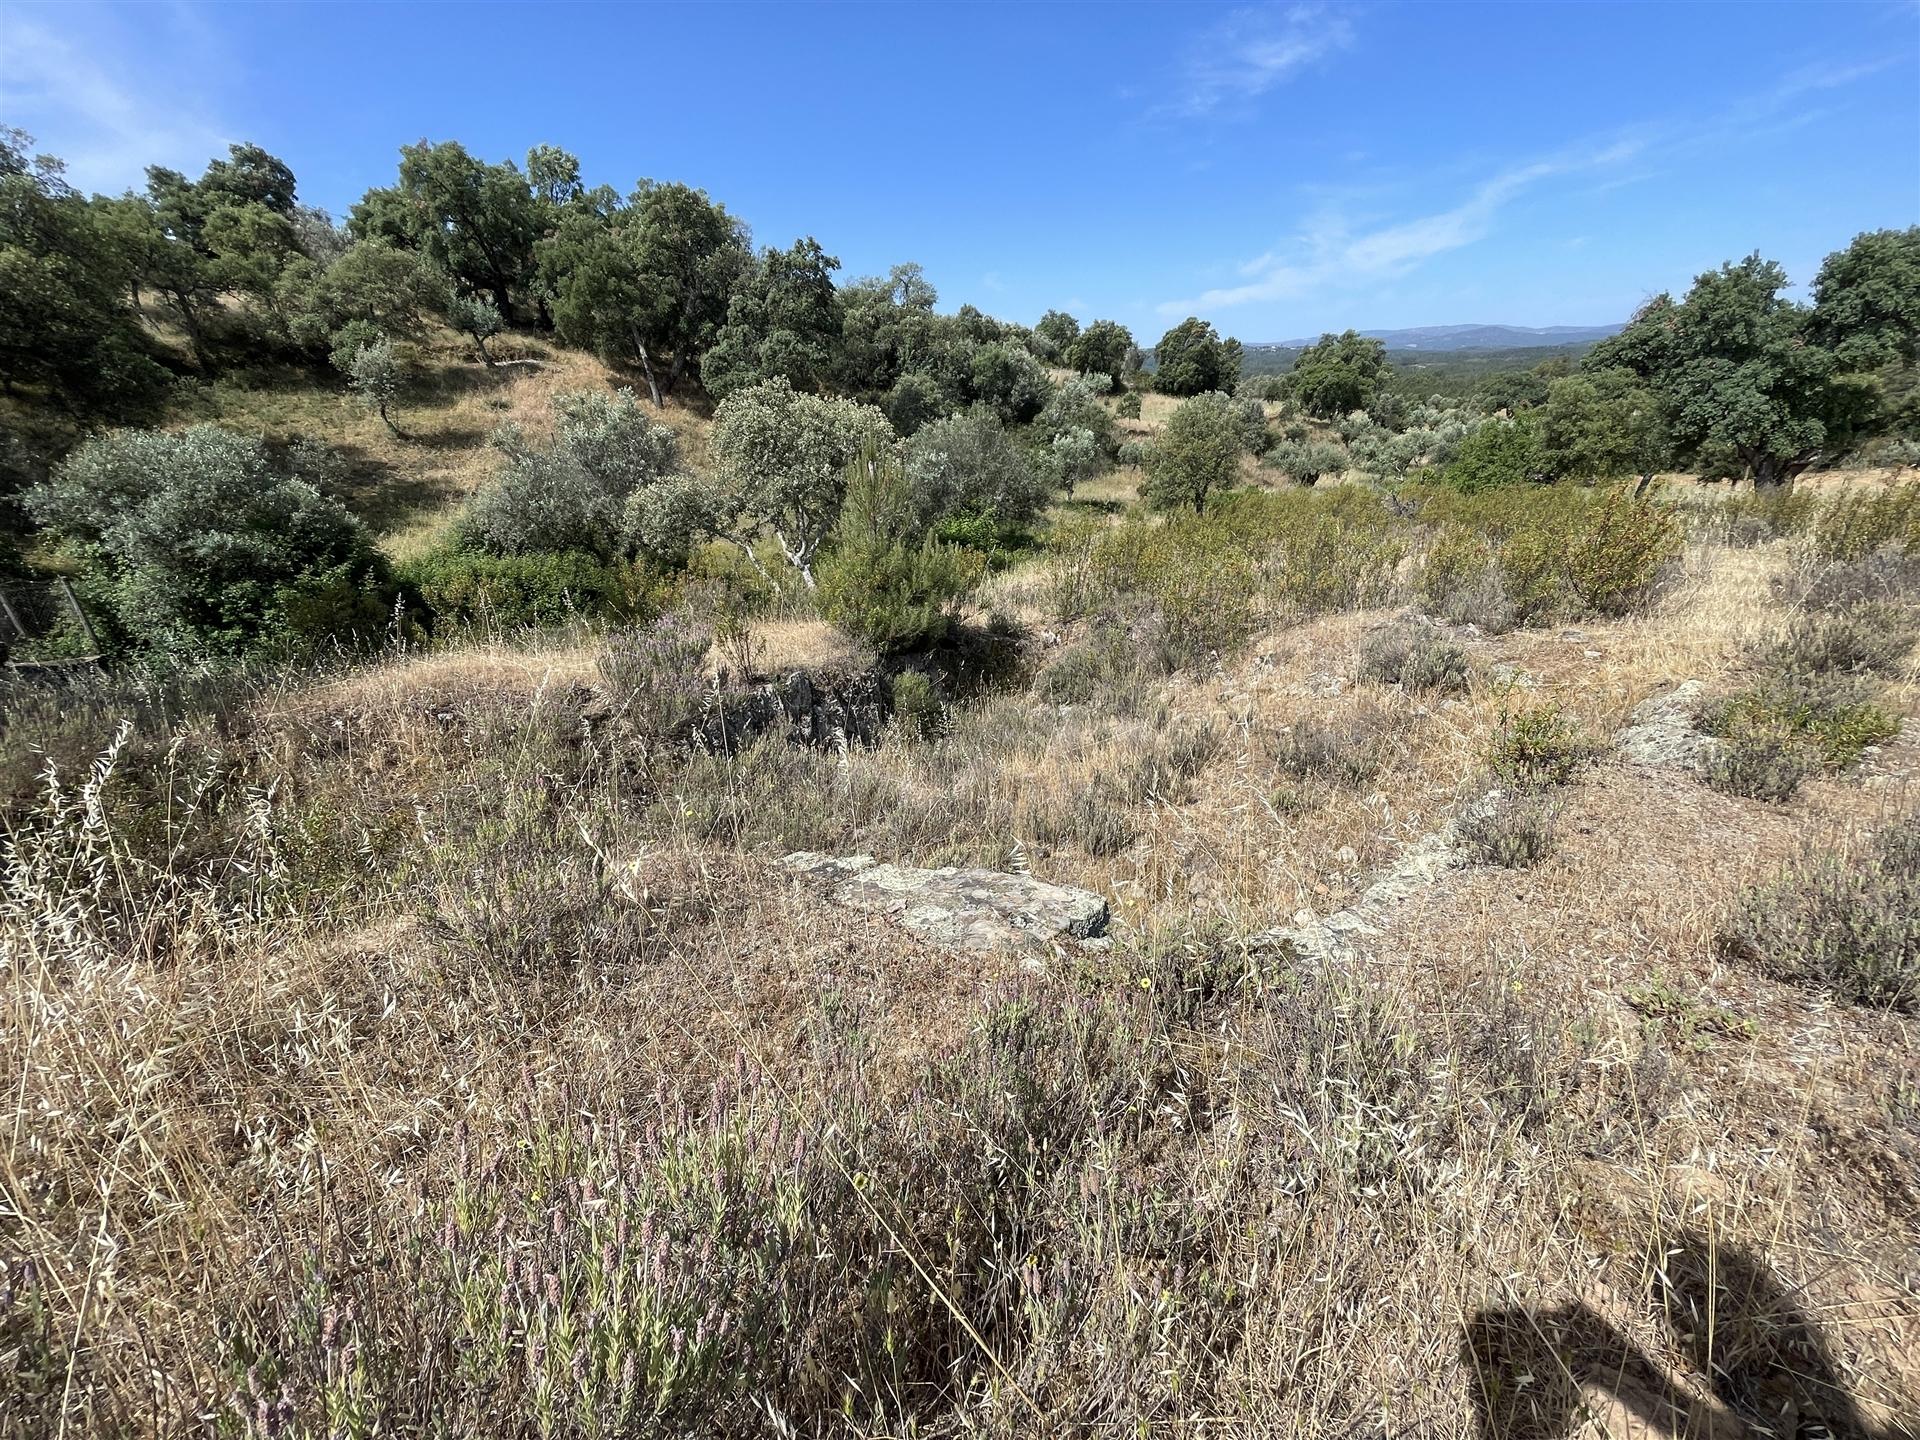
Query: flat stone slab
{"points": [[977, 911]]}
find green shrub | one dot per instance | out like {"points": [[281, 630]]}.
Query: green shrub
{"points": [[1514, 832], [1498, 453], [1847, 923], [1128, 406], [1863, 521], [1501, 557], [1414, 657], [199, 534], [1619, 550], [1834, 717], [460, 586], [1536, 748], [884, 582], [917, 705]]}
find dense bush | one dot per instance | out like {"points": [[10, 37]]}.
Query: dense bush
{"points": [[509, 591], [574, 493], [885, 580], [1501, 452], [1618, 553], [1789, 723], [1848, 923], [968, 465], [1523, 556], [1127, 407], [200, 535], [1306, 460], [1212, 578]]}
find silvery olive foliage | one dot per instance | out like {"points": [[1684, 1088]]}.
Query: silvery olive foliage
{"points": [[969, 465], [576, 493], [200, 530], [780, 458]]}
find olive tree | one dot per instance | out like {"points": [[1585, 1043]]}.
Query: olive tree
{"points": [[1197, 453], [969, 465], [780, 458], [201, 533]]}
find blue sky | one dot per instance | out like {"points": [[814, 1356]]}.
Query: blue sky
{"points": [[1278, 169]]}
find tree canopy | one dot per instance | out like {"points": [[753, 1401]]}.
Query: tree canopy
{"points": [[1338, 374], [1191, 359]]}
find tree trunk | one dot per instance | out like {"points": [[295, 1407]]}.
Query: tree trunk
{"points": [[1772, 472], [646, 364], [746, 549], [502, 303], [480, 344]]}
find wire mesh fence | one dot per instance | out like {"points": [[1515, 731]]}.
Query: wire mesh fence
{"points": [[45, 625]]}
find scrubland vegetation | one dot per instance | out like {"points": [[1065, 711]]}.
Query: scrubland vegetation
{"points": [[412, 1035]]}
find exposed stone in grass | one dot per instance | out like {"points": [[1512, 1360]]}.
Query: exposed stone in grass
{"points": [[1661, 733], [977, 911]]}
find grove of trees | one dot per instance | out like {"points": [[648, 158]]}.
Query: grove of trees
{"points": [[951, 429]]}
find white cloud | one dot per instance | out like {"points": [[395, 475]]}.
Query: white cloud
{"points": [[1326, 254], [97, 116], [1250, 51]]}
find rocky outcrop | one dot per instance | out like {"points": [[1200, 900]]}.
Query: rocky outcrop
{"points": [[1661, 733], [975, 911], [824, 712]]}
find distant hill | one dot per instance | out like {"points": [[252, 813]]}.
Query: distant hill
{"points": [[1470, 337]]}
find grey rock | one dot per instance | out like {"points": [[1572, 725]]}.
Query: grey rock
{"points": [[1661, 733], [1425, 861], [977, 911], [823, 712]]}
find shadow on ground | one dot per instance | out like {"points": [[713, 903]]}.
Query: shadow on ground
{"points": [[1766, 1363]]}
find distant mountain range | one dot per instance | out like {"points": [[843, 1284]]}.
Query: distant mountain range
{"points": [[1469, 337]]}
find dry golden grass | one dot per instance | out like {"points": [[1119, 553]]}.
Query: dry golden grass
{"points": [[409, 487], [1189, 1186]]}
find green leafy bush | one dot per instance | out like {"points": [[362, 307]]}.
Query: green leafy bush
{"points": [[1848, 923], [575, 493], [199, 534], [885, 581], [1128, 406], [1498, 453], [1834, 717], [509, 591], [1619, 550], [1537, 747]]}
